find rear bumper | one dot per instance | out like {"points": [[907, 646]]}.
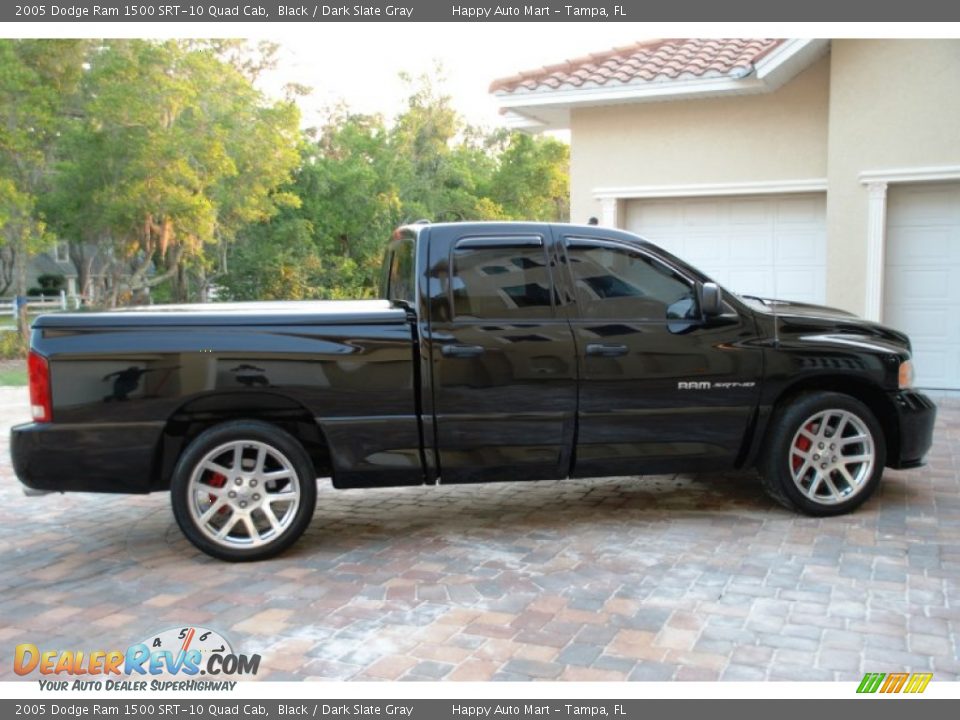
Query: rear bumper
{"points": [[115, 458], [916, 414]]}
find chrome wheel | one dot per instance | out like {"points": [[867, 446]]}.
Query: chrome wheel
{"points": [[244, 494], [832, 456]]}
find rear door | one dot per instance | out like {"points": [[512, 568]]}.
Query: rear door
{"points": [[502, 357], [661, 388]]}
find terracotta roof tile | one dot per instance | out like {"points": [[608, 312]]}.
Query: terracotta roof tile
{"points": [[649, 61]]}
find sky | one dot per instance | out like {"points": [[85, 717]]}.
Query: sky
{"points": [[361, 68], [358, 63]]}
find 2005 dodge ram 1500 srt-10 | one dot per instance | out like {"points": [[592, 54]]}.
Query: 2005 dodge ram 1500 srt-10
{"points": [[500, 351]]}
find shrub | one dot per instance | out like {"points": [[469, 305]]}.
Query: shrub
{"points": [[12, 344], [51, 283]]}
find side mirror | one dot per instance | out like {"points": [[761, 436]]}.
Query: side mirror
{"points": [[711, 299]]}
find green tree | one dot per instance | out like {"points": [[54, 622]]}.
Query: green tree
{"points": [[362, 177], [328, 246], [38, 80], [173, 151], [532, 178]]}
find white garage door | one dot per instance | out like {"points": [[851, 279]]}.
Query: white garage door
{"points": [[921, 285], [766, 245]]}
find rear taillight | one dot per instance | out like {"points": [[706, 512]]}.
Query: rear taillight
{"points": [[38, 370]]}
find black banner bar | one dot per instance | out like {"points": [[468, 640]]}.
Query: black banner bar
{"points": [[272, 11]]}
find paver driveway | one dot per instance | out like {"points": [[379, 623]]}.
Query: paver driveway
{"points": [[662, 578]]}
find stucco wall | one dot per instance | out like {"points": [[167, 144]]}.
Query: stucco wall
{"points": [[775, 136], [893, 104]]}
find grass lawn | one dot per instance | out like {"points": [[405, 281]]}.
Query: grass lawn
{"points": [[13, 372]]}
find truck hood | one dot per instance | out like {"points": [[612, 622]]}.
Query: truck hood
{"points": [[312, 312], [772, 306], [818, 323]]}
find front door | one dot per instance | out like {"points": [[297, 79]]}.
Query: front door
{"points": [[503, 361], [661, 388]]}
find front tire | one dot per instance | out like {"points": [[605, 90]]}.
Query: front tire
{"points": [[243, 490], [824, 454]]}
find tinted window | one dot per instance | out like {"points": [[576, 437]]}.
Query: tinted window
{"points": [[400, 275], [614, 283], [501, 282]]}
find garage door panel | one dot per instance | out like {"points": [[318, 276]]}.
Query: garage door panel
{"points": [[702, 212], [750, 212], [933, 367], [752, 248], [793, 248], [760, 280], [710, 249], [767, 245], [925, 286], [803, 284], [655, 215], [919, 206], [722, 276], [799, 210], [921, 288], [675, 245], [919, 246]]}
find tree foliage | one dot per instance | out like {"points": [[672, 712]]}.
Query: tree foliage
{"points": [[168, 173], [364, 176], [173, 153], [38, 79]]}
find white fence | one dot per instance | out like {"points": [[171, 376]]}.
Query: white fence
{"points": [[40, 304]]}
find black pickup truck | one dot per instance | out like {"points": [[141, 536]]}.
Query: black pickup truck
{"points": [[500, 351]]}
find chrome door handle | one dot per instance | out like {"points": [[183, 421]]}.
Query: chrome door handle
{"points": [[604, 350], [462, 351]]}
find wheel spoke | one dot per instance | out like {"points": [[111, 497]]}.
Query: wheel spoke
{"points": [[238, 458], [849, 459], [261, 459], [831, 487], [815, 485], [252, 529], [213, 509], [216, 468], [853, 439], [841, 426], [277, 475], [848, 477], [227, 527], [268, 511]]}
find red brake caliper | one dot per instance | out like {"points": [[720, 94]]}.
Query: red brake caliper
{"points": [[803, 444], [218, 481]]}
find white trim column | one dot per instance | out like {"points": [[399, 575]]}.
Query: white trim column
{"points": [[876, 245], [610, 212]]}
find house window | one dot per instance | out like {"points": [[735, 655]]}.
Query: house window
{"points": [[62, 252]]}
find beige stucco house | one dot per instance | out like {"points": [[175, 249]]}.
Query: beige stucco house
{"points": [[818, 170]]}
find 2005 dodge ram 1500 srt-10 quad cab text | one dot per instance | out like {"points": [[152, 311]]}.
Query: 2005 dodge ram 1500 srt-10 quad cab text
{"points": [[500, 351]]}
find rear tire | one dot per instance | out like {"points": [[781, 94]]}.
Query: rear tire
{"points": [[824, 454], [243, 490]]}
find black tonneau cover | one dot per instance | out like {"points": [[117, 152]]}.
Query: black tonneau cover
{"points": [[310, 312]]}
